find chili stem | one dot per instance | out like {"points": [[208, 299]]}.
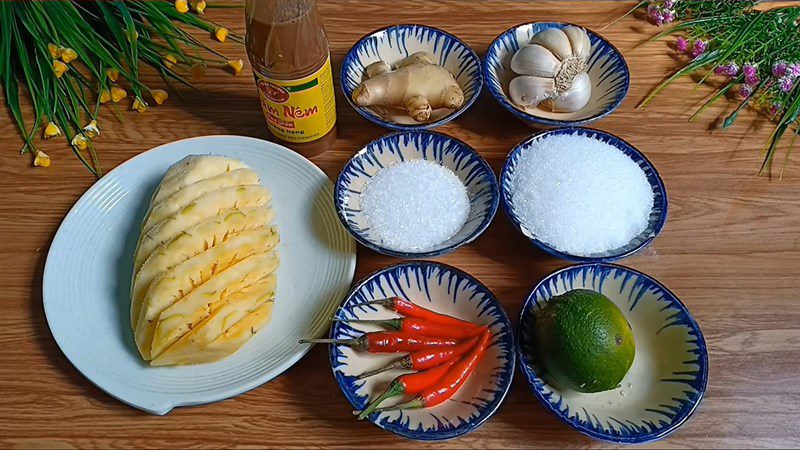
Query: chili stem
{"points": [[401, 363]]}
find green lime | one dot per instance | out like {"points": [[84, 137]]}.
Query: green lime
{"points": [[584, 341]]}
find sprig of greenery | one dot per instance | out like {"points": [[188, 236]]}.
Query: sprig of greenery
{"points": [[747, 47], [73, 56]]}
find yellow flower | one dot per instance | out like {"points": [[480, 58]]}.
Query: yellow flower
{"points": [[105, 96], [197, 70], [236, 66], [55, 50], [117, 94], [41, 159], [112, 74], [134, 35], [51, 130], [59, 68], [181, 6], [140, 105], [92, 130], [80, 142], [221, 33], [170, 60], [68, 55], [159, 95], [199, 6]]}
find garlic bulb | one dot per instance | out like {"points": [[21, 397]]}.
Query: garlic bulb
{"points": [[552, 69]]}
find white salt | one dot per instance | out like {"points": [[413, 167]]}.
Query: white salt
{"points": [[580, 195], [413, 206]]}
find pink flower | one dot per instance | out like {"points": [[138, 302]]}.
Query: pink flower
{"points": [[750, 71], [752, 81], [669, 4], [779, 69], [775, 108], [730, 70], [745, 91], [795, 68], [786, 83], [654, 14], [669, 15], [699, 47], [682, 44]]}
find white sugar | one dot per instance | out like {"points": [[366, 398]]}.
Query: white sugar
{"points": [[580, 195], [415, 205]]}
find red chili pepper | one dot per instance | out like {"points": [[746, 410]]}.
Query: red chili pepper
{"points": [[410, 383], [387, 342], [409, 309], [425, 358], [450, 382], [415, 325]]}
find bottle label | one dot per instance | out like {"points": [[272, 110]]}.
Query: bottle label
{"points": [[301, 110]]}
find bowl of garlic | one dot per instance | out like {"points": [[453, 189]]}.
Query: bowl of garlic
{"points": [[411, 77], [555, 74]]}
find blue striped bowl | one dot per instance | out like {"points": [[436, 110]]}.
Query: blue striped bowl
{"points": [[658, 216], [443, 289], [394, 43], [393, 148], [669, 374], [607, 70]]}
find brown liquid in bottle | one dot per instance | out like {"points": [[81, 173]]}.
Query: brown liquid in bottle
{"points": [[289, 53]]}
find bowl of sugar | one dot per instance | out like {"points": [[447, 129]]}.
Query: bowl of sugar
{"points": [[583, 195], [415, 194]]}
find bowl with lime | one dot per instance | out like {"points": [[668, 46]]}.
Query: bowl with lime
{"points": [[612, 352]]}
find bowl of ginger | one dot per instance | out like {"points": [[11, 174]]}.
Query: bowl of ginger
{"points": [[411, 77]]}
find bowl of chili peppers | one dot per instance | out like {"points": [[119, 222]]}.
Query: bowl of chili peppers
{"points": [[423, 350]]}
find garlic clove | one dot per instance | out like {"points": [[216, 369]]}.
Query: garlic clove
{"points": [[581, 46], [528, 91], [554, 40], [533, 59], [576, 97]]}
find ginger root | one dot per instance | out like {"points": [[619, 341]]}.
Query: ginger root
{"points": [[417, 84]]}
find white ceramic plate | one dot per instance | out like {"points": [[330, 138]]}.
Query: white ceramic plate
{"points": [[88, 271]]}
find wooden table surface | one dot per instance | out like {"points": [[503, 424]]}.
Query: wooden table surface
{"points": [[730, 250]]}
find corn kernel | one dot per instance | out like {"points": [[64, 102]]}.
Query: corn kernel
{"points": [[140, 105], [117, 94], [159, 95], [55, 50], [69, 55], [51, 130], [199, 6], [112, 74], [80, 142], [236, 66], [41, 159], [92, 130], [221, 33], [59, 68], [181, 6], [170, 60], [105, 96]]}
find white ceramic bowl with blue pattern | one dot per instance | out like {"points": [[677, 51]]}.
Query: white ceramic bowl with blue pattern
{"points": [[476, 174], [446, 290], [669, 374], [607, 70], [658, 214], [391, 44]]}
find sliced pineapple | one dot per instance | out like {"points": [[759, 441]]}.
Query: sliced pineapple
{"points": [[192, 169], [207, 206], [178, 281], [189, 243], [178, 200], [191, 348], [173, 322]]}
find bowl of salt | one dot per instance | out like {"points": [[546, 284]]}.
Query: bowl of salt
{"points": [[416, 194], [583, 195]]}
